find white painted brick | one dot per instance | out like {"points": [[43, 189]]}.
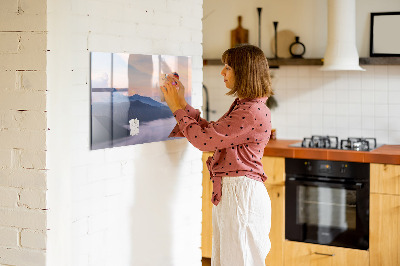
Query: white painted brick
{"points": [[79, 175], [9, 237], [104, 42], [98, 222], [196, 10], [7, 80], [154, 32], [24, 139], [178, 7], [23, 61], [33, 199], [36, 7], [191, 48], [23, 22], [30, 80], [5, 158], [197, 62], [8, 197], [23, 178], [23, 218], [33, 159], [23, 100], [114, 186], [96, 157], [33, 239], [33, 43], [169, 20], [31, 53], [9, 42], [132, 44], [8, 6], [190, 22], [15, 158], [80, 227], [163, 47], [34, 120], [17, 256], [97, 172]]}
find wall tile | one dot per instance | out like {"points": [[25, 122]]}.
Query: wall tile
{"points": [[367, 98]]}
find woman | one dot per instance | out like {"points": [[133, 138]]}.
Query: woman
{"points": [[242, 208]]}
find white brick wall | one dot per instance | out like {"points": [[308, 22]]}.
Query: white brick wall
{"points": [[23, 126], [134, 205]]}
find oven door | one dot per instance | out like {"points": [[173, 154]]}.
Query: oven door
{"points": [[327, 213]]}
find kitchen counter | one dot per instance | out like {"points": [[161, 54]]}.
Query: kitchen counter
{"points": [[389, 154]]}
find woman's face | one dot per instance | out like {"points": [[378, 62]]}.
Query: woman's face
{"points": [[229, 76]]}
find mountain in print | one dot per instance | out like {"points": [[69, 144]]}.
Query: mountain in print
{"points": [[146, 100], [146, 109]]}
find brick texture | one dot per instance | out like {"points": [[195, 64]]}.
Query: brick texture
{"points": [[23, 125]]}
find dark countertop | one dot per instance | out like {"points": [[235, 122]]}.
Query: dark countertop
{"points": [[389, 154]]}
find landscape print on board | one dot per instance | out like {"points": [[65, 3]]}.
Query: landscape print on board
{"points": [[127, 106]]}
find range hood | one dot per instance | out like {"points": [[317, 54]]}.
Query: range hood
{"points": [[341, 51]]}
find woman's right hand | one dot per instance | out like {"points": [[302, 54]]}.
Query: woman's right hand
{"points": [[180, 89]]}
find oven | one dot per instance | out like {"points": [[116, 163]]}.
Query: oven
{"points": [[327, 202]]}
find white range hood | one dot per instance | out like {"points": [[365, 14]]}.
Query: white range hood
{"points": [[341, 51]]}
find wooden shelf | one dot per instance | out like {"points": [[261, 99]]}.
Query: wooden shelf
{"points": [[380, 61], [274, 63]]}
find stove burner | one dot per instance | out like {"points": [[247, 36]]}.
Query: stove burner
{"points": [[332, 142], [328, 142], [358, 144]]}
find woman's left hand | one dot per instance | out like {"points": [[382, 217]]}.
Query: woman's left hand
{"points": [[170, 92]]}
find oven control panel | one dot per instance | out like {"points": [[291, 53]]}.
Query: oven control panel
{"points": [[338, 169]]}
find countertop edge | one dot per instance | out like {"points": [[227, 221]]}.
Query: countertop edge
{"points": [[386, 154]]}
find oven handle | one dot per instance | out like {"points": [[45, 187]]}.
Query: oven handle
{"points": [[324, 254], [357, 185]]}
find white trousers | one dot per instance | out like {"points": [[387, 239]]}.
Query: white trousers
{"points": [[241, 223]]}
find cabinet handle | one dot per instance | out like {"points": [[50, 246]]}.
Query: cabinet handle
{"points": [[324, 254]]}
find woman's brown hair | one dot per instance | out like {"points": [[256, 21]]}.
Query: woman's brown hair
{"points": [[250, 66]]}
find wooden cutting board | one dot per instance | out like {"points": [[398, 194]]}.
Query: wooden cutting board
{"points": [[239, 35]]}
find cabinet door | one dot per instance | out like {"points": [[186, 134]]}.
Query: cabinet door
{"points": [[385, 178], [274, 168], [304, 254], [277, 233], [384, 230], [206, 226]]}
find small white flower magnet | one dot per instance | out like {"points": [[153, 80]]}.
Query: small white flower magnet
{"points": [[134, 126]]}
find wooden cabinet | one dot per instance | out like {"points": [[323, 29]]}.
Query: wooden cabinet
{"points": [[385, 178], [385, 215], [274, 168], [385, 230], [206, 226], [304, 254], [277, 233], [384, 222]]}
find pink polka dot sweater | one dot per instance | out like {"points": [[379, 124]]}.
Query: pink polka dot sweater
{"points": [[238, 139]]}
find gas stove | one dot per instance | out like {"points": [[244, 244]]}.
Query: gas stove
{"points": [[332, 142]]}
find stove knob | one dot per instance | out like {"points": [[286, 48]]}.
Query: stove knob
{"points": [[343, 168], [308, 166]]}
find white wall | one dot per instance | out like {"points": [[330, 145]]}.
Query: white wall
{"points": [[23, 133], [306, 19], [311, 102], [134, 205]]}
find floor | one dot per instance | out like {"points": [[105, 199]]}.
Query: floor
{"points": [[206, 261]]}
